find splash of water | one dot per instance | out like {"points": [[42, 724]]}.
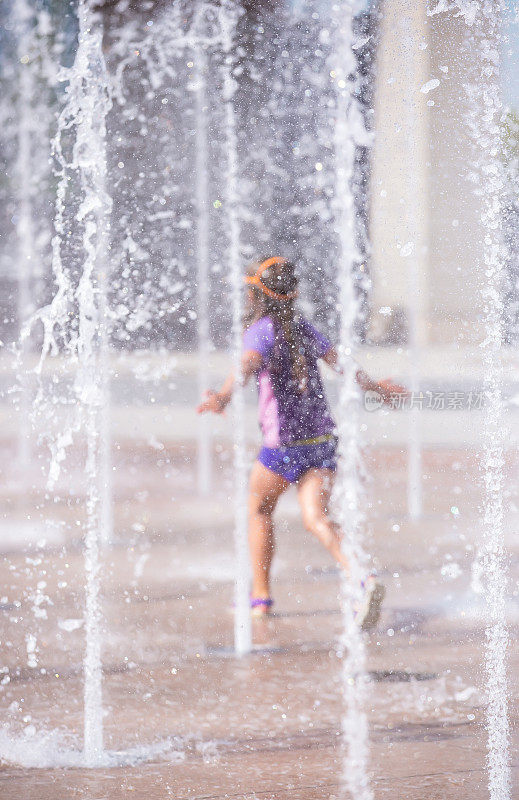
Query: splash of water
{"points": [[349, 131], [24, 225], [31, 174], [36, 749], [156, 70], [35, 77], [485, 113], [88, 103], [229, 13], [468, 9], [75, 322], [494, 562], [202, 272], [192, 34]]}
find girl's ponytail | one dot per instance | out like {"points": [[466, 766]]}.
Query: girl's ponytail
{"points": [[295, 345]]}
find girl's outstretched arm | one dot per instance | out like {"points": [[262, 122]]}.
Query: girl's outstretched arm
{"points": [[386, 388], [217, 401]]}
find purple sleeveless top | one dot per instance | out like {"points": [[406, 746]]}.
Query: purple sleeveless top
{"points": [[287, 415]]}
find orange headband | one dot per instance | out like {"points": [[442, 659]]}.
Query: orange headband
{"points": [[255, 280]]}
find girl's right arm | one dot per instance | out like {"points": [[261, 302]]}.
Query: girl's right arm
{"points": [[386, 388], [217, 401], [332, 359]]}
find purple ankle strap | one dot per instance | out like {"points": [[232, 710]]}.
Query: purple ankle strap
{"points": [[261, 601]]}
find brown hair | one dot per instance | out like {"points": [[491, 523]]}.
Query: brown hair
{"points": [[281, 282]]}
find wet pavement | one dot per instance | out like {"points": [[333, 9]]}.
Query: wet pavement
{"points": [[184, 718]]}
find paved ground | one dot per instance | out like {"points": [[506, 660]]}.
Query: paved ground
{"points": [[185, 719]]}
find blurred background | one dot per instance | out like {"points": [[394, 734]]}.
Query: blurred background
{"points": [[284, 161], [418, 209]]}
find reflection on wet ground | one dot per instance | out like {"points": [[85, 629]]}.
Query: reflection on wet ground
{"points": [[183, 717]]}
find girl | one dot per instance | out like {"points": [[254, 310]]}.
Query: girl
{"points": [[299, 444]]}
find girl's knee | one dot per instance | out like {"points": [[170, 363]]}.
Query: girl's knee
{"points": [[313, 520], [262, 505], [319, 525]]}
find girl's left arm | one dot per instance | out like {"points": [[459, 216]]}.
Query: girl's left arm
{"points": [[386, 387], [217, 401]]}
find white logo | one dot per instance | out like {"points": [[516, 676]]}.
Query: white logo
{"points": [[372, 400]]}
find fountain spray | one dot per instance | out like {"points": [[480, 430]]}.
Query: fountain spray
{"points": [[485, 113], [24, 22], [88, 103], [349, 131], [76, 322], [202, 272], [229, 13], [486, 38]]}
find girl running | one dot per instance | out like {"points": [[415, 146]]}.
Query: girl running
{"points": [[299, 444]]}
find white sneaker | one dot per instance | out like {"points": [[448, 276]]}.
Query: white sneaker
{"points": [[367, 613]]}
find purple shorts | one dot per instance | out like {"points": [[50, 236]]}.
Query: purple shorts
{"points": [[292, 461]]}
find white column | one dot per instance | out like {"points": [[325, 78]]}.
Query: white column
{"points": [[399, 198], [399, 178]]}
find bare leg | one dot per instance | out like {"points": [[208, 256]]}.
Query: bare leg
{"points": [[314, 494], [265, 489], [314, 489]]}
